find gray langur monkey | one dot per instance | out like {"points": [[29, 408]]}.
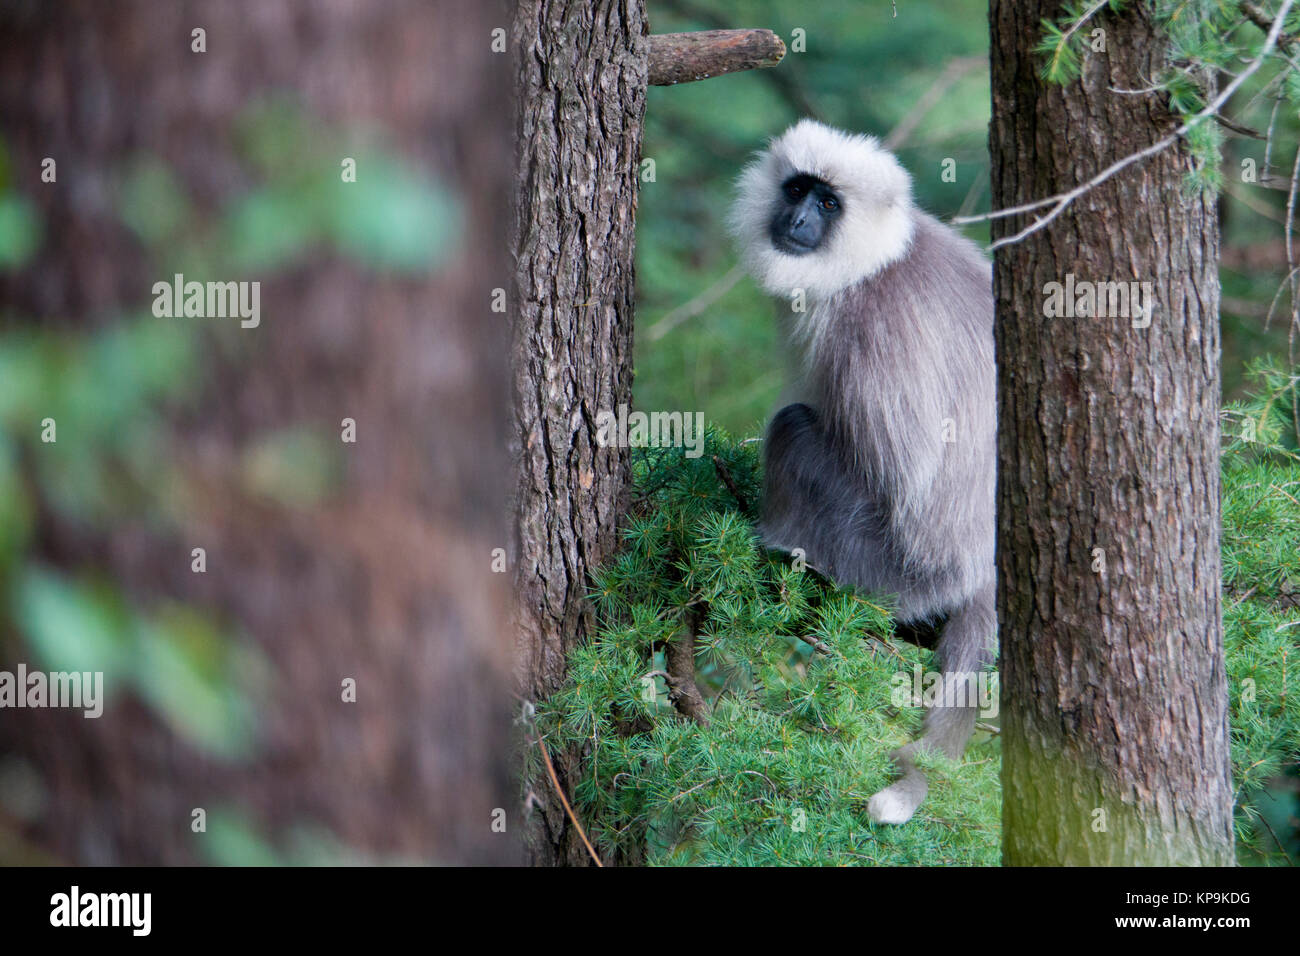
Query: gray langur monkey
{"points": [[882, 467]]}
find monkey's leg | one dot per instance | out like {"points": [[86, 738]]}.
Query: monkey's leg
{"points": [[966, 645], [813, 501]]}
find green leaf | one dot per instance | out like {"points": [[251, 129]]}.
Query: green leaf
{"points": [[270, 227], [183, 669], [392, 219], [297, 466], [232, 840], [69, 626], [151, 201]]}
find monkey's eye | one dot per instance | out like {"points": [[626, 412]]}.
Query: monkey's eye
{"points": [[829, 204], [794, 192]]}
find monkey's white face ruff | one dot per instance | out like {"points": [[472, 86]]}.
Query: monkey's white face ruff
{"points": [[874, 230]]}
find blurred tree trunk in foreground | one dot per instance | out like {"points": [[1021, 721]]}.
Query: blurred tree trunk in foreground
{"points": [[383, 577], [581, 82], [1115, 733]]}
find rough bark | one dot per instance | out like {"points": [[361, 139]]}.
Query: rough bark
{"points": [[388, 580], [684, 57], [581, 84], [1113, 680]]}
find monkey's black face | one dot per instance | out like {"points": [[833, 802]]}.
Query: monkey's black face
{"points": [[807, 213]]}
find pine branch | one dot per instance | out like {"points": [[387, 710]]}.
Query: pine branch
{"points": [[1257, 16], [680, 657], [1062, 201], [724, 474], [815, 644]]}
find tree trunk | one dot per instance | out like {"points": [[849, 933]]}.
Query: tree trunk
{"points": [[1115, 734], [581, 83], [386, 580]]}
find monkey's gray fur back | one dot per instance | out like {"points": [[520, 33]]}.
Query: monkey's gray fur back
{"points": [[900, 377], [883, 471]]}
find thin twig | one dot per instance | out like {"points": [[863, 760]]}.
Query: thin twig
{"points": [[953, 72], [1062, 201], [1142, 92], [1290, 261], [555, 782], [815, 644], [724, 474], [690, 309], [1243, 597], [1272, 123], [1075, 27], [973, 194], [1258, 17], [1237, 128], [1258, 207], [1264, 820]]}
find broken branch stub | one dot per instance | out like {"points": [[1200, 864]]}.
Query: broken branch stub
{"points": [[684, 57]]}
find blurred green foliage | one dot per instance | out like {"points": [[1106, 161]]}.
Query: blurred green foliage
{"points": [[114, 391], [390, 218], [172, 657], [20, 231]]}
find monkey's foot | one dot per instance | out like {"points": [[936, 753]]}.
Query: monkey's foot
{"points": [[897, 802]]}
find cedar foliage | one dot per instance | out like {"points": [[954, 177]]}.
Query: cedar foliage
{"points": [[798, 739]]}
